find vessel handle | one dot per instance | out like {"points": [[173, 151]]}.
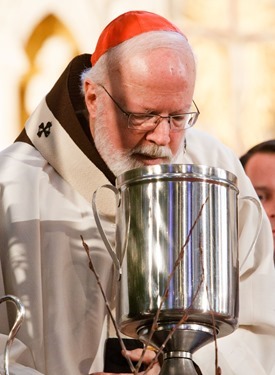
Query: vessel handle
{"points": [[100, 227], [20, 315], [260, 211]]}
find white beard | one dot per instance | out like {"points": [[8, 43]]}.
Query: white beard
{"points": [[120, 161]]}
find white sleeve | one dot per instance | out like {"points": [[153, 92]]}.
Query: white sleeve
{"points": [[20, 360], [251, 348]]}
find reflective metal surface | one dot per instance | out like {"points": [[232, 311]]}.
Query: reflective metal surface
{"points": [[177, 258], [169, 212], [20, 315]]}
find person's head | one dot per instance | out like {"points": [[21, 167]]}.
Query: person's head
{"points": [[150, 71], [259, 165]]}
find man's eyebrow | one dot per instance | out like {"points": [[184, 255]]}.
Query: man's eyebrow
{"points": [[260, 187]]}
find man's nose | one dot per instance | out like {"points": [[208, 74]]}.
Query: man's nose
{"points": [[270, 208], [161, 134]]}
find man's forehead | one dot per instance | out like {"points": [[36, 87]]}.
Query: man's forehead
{"points": [[127, 26]]}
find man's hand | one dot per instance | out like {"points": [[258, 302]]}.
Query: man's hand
{"points": [[135, 355]]}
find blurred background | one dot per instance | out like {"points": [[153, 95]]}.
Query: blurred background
{"points": [[233, 40]]}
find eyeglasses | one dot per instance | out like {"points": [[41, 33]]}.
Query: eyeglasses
{"points": [[144, 122]]}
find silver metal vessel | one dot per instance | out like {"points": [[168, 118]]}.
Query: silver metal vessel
{"points": [[177, 252]]}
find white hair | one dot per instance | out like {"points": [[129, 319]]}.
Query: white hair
{"points": [[109, 63]]}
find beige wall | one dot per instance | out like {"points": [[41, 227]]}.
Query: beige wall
{"points": [[234, 41]]}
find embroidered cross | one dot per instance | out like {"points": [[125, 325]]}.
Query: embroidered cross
{"points": [[44, 129]]}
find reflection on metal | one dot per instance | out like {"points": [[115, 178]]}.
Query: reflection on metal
{"points": [[20, 314], [177, 253]]}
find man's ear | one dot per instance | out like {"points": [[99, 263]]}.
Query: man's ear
{"points": [[90, 97]]}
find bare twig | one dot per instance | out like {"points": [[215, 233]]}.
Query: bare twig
{"points": [[165, 295], [91, 266], [218, 370], [154, 325]]}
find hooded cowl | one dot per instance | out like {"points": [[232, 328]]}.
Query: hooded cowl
{"points": [[59, 130]]}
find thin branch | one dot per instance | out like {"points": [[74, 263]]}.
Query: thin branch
{"points": [[91, 266], [166, 293], [154, 325]]}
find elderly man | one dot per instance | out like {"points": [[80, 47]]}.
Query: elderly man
{"points": [[136, 108]]}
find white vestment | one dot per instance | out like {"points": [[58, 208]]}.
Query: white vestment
{"points": [[43, 215]]}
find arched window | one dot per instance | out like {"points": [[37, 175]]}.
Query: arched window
{"points": [[49, 49]]}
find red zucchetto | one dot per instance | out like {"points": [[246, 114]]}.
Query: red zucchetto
{"points": [[128, 25]]}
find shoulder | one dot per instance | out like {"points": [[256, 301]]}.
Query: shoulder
{"points": [[203, 148], [20, 155], [31, 188], [208, 144], [22, 168]]}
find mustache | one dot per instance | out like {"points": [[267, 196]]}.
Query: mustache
{"points": [[153, 151]]}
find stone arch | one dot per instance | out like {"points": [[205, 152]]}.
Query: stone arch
{"points": [[47, 34]]}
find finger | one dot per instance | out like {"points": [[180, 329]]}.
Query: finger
{"points": [[154, 370], [135, 355]]}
